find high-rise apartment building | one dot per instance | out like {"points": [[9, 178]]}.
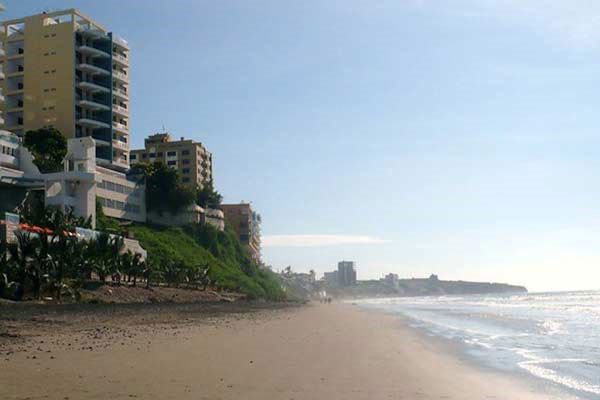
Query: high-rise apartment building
{"points": [[346, 273], [66, 71], [246, 224], [190, 158]]}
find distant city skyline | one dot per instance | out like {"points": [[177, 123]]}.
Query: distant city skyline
{"points": [[453, 137]]}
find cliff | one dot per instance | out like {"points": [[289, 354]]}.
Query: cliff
{"points": [[300, 286], [421, 287]]}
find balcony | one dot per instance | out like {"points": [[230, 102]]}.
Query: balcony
{"points": [[120, 76], [2, 76], [15, 74], [92, 123], [121, 93], [92, 32], [121, 162], [92, 69], [120, 110], [121, 59], [93, 52], [120, 145], [93, 87], [120, 42], [13, 128], [2, 53], [17, 108], [100, 141], [91, 104], [120, 127]]}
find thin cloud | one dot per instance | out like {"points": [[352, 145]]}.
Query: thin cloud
{"points": [[318, 240]]}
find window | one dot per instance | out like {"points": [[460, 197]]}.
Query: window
{"points": [[171, 163], [152, 154], [160, 154], [185, 152], [186, 170], [185, 180], [186, 161], [133, 157], [171, 153], [144, 155]]}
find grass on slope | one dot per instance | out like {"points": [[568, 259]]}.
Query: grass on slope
{"points": [[231, 268]]}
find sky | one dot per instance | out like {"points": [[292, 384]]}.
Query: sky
{"points": [[418, 136]]}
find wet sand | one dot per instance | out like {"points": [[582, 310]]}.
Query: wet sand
{"points": [[333, 351]]}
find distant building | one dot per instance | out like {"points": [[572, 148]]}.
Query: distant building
{"points": [[246, 224], [331, 277], [346, 273], [190, 158], [392, 280], [193, 214]]}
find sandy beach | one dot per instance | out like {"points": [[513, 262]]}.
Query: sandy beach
{"points": [[336, 351]]}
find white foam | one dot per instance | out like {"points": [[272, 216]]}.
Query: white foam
{"points": [[536, 369]]}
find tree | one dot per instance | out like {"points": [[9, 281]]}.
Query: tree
{"points": [[164, 190], [49, 148], [21, 255], [208, 197]]}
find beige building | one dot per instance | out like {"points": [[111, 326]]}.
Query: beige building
{"points": [[190, 158], [246, 224], [66, 71]]}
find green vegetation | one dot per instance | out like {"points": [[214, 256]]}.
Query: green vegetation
{"points": [[164, 190], [208, 197], [48, 147], [52, 262], [103, 222], [230, 267]]}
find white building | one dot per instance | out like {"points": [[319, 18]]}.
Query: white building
{"points": [[83, 182], [79, 185]]}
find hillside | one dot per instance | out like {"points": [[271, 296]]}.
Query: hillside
{"points": [[422, 287], [231, 268]]}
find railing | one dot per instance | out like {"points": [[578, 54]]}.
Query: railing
{"points": [[121, 92], [120, 41], [120, 145], [120, 57], [93, 50], [120, 109], [120, 126], [120, 75], [93, 86]]}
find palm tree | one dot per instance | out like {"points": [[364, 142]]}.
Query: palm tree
{"points": [[21, 255], [42, 263], [4, 268]]}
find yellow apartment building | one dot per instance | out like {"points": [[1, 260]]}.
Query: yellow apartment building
{"points": [[246, 224], [190, 158], [66, 71]]}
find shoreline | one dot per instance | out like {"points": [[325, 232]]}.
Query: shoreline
{"points": [[461, 351], [336, 351]]}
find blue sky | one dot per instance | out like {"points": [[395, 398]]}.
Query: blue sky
{"points": [[450, 137]]}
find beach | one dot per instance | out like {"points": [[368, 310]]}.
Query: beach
{"points": [[336, 351]]}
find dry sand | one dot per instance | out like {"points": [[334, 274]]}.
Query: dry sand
{"points": [[333, 351]]}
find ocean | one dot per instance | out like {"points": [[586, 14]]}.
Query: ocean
{"points": [[553, 337]]}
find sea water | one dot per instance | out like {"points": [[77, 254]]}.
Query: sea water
{"points": [[554, 337]]}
